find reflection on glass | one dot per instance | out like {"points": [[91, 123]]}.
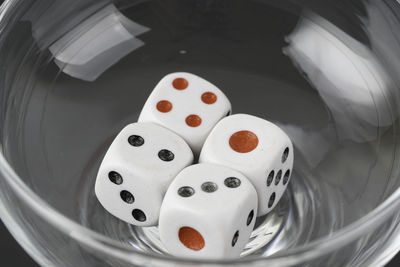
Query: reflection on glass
{"points": [[346, 74], [97, 43], [382, 29], [314, 145]]}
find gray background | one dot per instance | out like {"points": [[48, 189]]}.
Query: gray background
{"points": [[13, 255]]}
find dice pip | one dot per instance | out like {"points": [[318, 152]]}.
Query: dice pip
{"points": [[257, 148], [208, 212], [137, 170], [188, 105]]}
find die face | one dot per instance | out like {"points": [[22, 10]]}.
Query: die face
{"points": [[145, 157], [213, 201], [126, 200], [258, 149], [188, 105]]}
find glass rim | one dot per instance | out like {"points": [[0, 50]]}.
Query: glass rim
{"points": [[111, 247]]}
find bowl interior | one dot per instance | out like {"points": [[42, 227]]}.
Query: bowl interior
{"points": [[320, 75]]}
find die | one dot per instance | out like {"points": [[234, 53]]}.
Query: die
{"points": [[137, 170], [208, 213], [188, 105], [257, 148]]}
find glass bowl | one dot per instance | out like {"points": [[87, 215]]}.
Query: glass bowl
{"points": [[74, 73]]}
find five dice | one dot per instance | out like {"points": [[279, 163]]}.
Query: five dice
{"points": [[206, 210]]}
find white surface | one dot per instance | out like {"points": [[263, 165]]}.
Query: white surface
{"points": [[186, 102], [217, 215], [257, 164], [144, 174]]}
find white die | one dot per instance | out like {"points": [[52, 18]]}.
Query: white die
{"points": [[137, 169], [208, 212], [188, 105], [257, 148]]}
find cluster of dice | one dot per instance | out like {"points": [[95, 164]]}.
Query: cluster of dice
{"points": [[206, 210]]}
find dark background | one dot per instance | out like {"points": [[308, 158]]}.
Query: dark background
{"points": [[13, 255]]}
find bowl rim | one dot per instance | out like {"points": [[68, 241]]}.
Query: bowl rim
{"points": [[110, 247]]}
